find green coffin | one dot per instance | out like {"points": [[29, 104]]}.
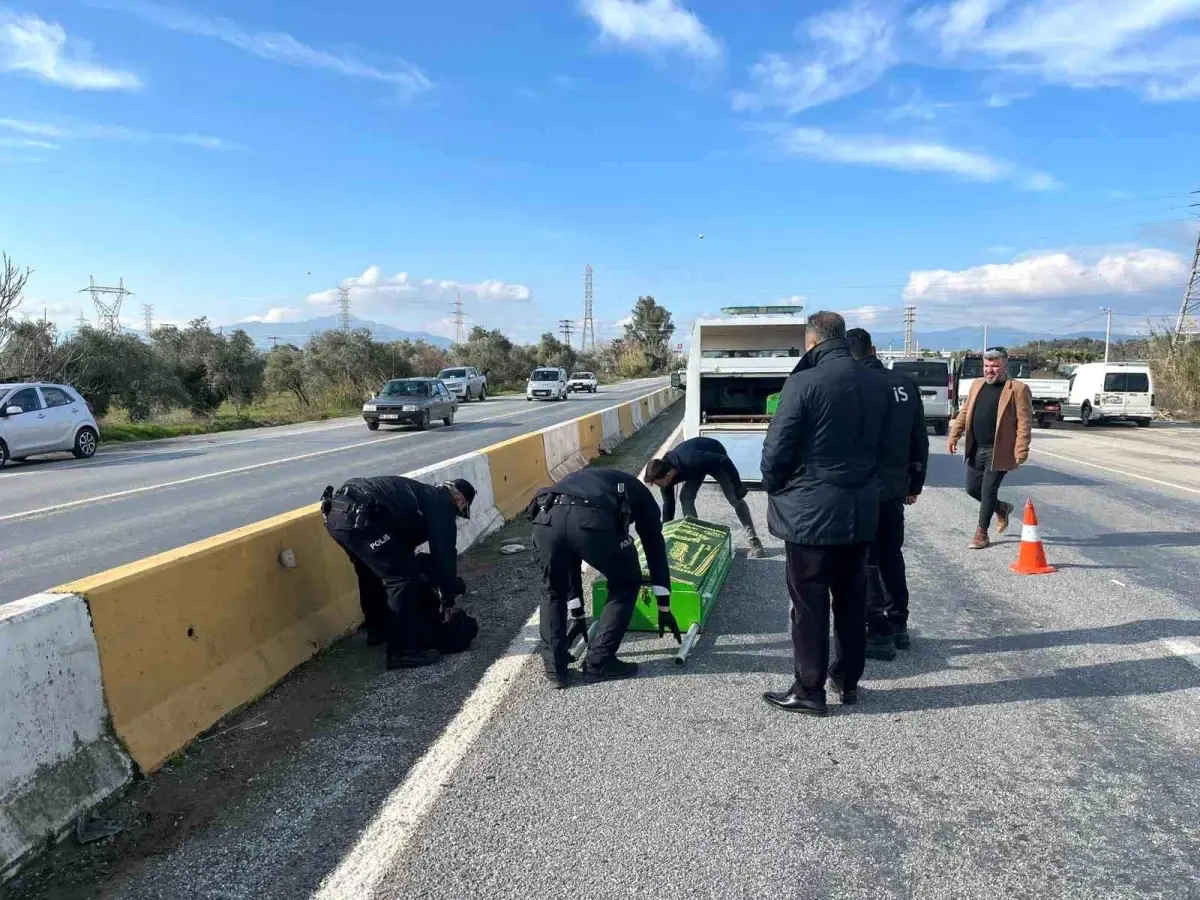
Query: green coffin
{"points": [[773, 403], [699, 554]]}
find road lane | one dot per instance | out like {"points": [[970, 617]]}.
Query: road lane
{"points": [[60, 521]]}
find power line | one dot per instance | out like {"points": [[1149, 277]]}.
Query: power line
{"points": [[564, 328], [344, 308], [108, 312], [148, 313], [910, 317], [1191, 299], [588, 333], [460, 328]]}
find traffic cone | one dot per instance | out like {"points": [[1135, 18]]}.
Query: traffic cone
{"points": [[1032, 559]]}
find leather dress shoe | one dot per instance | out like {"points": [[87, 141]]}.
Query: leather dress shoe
{"points": [[559, 680], [901, 639], [609, 670], [848, 696], [791, 701]]}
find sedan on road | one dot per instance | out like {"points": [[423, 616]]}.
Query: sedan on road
{"points": [[45, 418], [583, 382], [410, 401]]}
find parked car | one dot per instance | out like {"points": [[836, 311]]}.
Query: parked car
{"points": [[934, 381], [583, 381], [547, 384], [1114, 391], [45, 418], [410, 401], [465, 382]]}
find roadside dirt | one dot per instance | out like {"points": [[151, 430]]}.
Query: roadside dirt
{"points": [[236, 761]]}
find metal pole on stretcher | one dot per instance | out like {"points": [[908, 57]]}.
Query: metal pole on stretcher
{"points": [[689, 643]]}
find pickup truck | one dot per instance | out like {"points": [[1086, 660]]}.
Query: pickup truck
{"points": [[465, 382], [1049, 394]]}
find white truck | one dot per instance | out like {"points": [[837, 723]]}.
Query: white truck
{"points": [[1116, 391], [737, 362], [465, 382], [1049, 394]]}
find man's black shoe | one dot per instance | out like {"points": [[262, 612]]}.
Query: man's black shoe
{"points": [[609, 670], [847, 696], [375, 638], [880, 648], [792, 702], [413, 659], [901, 639], [559, 680]]}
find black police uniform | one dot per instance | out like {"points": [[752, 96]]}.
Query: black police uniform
{"points": [[380, 522], [901, 474], [694, 460], [586, 517]]}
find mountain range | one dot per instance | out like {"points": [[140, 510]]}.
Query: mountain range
{"points": [[972, 338], [265, 334]]}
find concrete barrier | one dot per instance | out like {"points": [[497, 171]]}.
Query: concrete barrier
{"points": [[563, 453], [591, 435], [518, 468], [57, 756], [625, 418], [612, 428], [485, 517]]}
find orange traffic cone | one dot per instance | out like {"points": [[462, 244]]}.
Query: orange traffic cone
{"points": [[1032, 559]]}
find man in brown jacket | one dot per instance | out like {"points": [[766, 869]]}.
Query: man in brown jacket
{"points": [[997, 420]]}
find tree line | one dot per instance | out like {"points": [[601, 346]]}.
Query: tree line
{"points": [[199, 368]]}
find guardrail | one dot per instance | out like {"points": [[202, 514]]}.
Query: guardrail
{"points": [[116, 672]]}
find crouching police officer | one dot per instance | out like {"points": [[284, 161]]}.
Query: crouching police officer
{"points": [[901, 479], [380, 522], [586, 518], [690, 463]]}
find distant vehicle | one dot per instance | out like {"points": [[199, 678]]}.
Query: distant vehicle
{"points": [[1049, 394], [1122, 392], [410, 401], [547, 384], [465, 382], [583, 381], [936, 384], [45, 418]]}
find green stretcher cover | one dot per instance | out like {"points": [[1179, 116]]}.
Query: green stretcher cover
{"points": [[773, 404], [699, 554]]}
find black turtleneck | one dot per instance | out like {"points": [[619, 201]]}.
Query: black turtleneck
{"points": [[983, 420]]}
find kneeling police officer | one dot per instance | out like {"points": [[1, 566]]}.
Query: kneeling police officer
{"points": [[690, 463], [380, 522], [586, 518]]}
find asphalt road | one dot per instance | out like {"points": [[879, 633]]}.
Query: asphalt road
{"points": [[1038, 741], [64, 519]]}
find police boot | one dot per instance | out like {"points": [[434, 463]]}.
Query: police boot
{"points": [[609, 670], [900, 637], [756, 546], [413, 659], [880, 647]]}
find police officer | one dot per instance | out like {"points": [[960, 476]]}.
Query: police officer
{"points": [[380, 522], [690, 463], [901, 478], [586, 518]]}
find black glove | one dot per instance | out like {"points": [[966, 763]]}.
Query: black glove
{"points": [[667, 621], [579, 622]]}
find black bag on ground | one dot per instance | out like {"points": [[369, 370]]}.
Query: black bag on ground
{"points": [[456, 631]]}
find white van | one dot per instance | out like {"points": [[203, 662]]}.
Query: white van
{"points": [[547, 384], [1115, 391], [934, 380]]}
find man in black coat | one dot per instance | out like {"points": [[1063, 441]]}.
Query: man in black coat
{"points": [[586, 518], [690, 463], [901, 478], [820, 460], [380, 522]]}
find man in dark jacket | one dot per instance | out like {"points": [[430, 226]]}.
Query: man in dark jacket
{"points": [[690, 463], [901, 478], [380, 522], [820, 460]]}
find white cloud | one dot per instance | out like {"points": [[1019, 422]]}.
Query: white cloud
{"points": [[276, 314], [32, 46], [918, 106], [1040, 181], [902, 155], [373, 293], [848, 50], [1052, 274], [408, 78], [652, 25], [108, 133], [26, 144]]}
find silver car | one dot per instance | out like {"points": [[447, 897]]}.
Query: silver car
{"points": [[45, 418]]}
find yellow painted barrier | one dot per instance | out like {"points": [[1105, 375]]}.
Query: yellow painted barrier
{"points": [[625, 417], [189, 635], [591, 435], [518, 468]]}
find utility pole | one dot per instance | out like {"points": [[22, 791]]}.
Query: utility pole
{"points": [[460, 326], [344, 308], [1107, 329], [274, 339], [82, 319], [985, 339], [564, 327], [910, 316], [587, 337], [148, 312], [108, 312], [1190, 307]]}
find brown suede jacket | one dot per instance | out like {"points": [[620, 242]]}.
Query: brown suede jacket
{"points": [[1014, 424]]}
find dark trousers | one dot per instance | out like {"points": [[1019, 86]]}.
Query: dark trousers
{"points": [[887, 584], [565, 538], [731, 485], [983, 483], [814, 575], [386, 567]]}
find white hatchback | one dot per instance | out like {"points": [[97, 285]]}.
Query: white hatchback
{"points": [[45, 418]]}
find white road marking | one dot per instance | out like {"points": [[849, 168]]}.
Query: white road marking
{"points": [[1188, 651], [391, 832], [1118, 583], [1080, 462]]}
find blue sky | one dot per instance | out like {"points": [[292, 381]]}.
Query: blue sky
{"points": [[1015, 162]]}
